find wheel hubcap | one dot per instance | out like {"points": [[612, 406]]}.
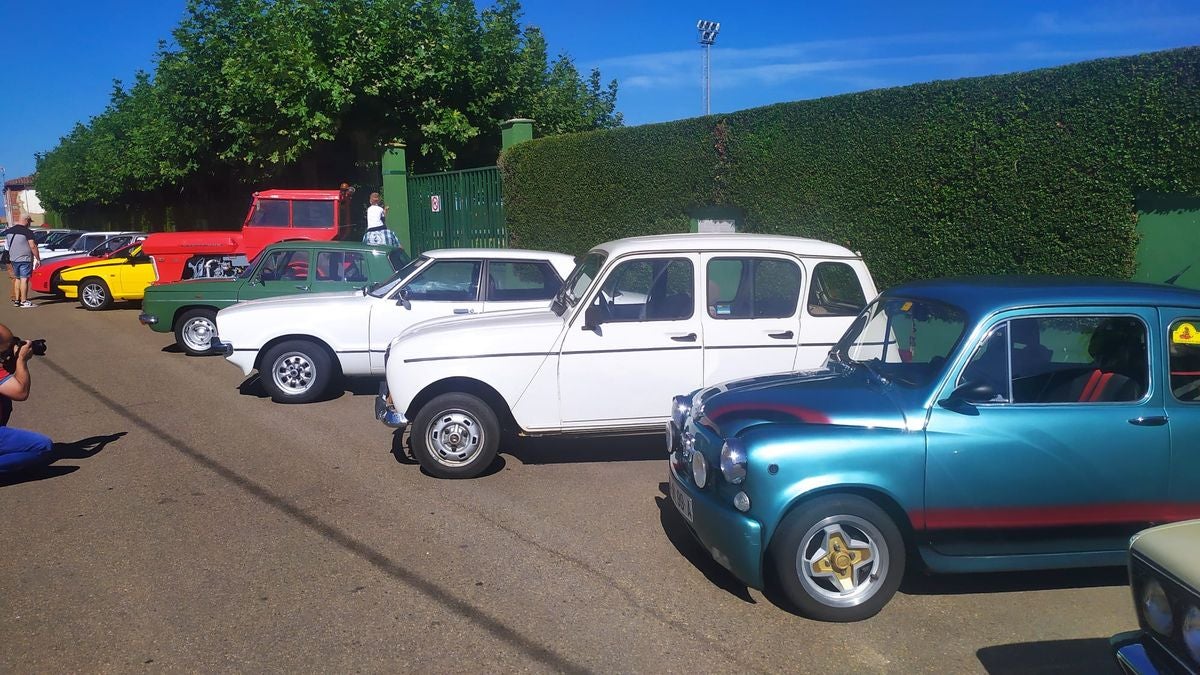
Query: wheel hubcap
{"points": [[842, 561], [93, 295], [454, 438], [294, 372], [198, 332]]}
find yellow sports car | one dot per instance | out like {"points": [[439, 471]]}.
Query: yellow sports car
{"points": [[97, 284]]}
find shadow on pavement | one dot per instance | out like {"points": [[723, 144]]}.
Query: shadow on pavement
{"points": [[1086, 655], [252, 386], [677, 533], [570, 449], [916, 582], [81, 449]]}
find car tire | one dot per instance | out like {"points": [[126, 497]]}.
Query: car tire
{"points": [[194, 331], [94, 294], [296, 371], [838, 558], [55, 284], [455, 436]]}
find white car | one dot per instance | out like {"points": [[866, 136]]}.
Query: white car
{"points": [[299, 343], [85, 243], [638, 321]]}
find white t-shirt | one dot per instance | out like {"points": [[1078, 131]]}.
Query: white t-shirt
{"points": [[374, 216]]}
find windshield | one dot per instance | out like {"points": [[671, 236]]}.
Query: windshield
{"points": [[903, 340], [580, 278], [386, 286]]}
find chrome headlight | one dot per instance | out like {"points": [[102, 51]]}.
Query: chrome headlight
{"points": [[1191, 631], [680, 407], [699, 469], [672, 436], [1156, 608], [733, 461]]}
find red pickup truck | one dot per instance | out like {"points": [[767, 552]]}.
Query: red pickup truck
{"points": [[275, 215]]}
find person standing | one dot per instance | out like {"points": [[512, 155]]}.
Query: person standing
{"points": [[378, 233], [24, 256]]}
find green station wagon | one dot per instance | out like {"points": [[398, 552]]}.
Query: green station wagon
{"points": [[189, 308]]}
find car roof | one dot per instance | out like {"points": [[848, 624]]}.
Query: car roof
{"points": [[507, 253], [726, 241], [348, 245], [982, 295]]}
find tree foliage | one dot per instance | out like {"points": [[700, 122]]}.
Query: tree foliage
{"points": [[307, 92]]}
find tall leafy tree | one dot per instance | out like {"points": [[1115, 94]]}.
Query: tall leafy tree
{"points": [[309, 91]]}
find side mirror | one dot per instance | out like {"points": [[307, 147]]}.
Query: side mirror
{"points": [[593, 316], [968, 393], [404, 298]]}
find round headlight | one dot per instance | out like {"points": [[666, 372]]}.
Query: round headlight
{"points": [[733, 461], [671, 437], [699, 469], [680, 407], [1191, 631], [1156, 609]]}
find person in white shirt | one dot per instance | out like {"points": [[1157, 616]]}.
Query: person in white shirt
{"points": [[378, 233]]}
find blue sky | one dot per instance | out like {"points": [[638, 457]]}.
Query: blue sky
{"points": [[61, 71]]}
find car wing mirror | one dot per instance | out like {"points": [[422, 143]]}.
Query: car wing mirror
{"points": [[593, 316], [965, 395], [404, 298]]}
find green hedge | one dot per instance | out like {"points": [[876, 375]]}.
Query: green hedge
{"points": [[1027, 173]]}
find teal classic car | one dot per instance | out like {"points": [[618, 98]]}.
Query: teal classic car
{"points": [[970, 425], [189, 308], [1165, 579]]}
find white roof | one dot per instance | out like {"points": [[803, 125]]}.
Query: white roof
{"points": [[506, 253], [727, 241]]}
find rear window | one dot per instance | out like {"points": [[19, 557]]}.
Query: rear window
{"points": [[514, 281]]}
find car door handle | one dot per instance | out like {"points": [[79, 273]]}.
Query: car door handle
{"points": [[786, 335], [690, 337], [463, 310], [1155, 421], [301, 288]]}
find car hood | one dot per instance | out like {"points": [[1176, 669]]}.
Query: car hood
{"points": [[1174, 548], [290, 301], [839, 396], [195, 286], [515, 331]]}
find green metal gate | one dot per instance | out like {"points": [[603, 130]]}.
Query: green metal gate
{"points": [[457, 209]]}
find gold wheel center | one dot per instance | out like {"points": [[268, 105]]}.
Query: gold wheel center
{"points": [[839, 561]]}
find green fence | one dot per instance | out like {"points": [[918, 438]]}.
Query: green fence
{"points": [[457, 209]]}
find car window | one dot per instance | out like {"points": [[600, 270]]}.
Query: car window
{"points": [[447, 281], [341, 266], [1064, 359], [312, 213], [285, 266], [271, 213], [658, 289], [521, 281], [835, 291], [752, 288], [1184, 354]]}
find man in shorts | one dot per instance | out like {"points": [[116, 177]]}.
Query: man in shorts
{"points": [[24, 256]]}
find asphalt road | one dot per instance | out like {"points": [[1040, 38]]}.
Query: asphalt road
{"points": [[198, 526]]}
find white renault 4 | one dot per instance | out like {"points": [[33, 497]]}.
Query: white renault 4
{"points": [[638, 321]]}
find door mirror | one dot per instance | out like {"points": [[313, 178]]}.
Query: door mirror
{"points": [[593, 316], [968, 393], [404, 298]]}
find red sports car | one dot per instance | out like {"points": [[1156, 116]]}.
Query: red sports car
{"points": [[45, 278]]}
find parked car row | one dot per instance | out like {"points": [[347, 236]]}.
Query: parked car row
{"points": [[820, 435]]}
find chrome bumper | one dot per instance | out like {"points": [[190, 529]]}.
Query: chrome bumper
{"points": [[215, 346], [147, 319], [386, 412]]}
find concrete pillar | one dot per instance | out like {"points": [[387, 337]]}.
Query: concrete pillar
{"points": [[515, 131], [395, 193]]}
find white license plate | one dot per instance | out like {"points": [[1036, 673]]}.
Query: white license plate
{"points": [[682, 500]]}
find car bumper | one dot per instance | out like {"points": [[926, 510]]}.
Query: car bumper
{"points": [[1138, 654], [386, 412], [217, 347], [147, 319], [732, 539]]}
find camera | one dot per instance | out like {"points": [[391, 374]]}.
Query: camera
{"points": [[38, 347]]}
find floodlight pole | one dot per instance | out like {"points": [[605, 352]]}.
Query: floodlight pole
{"points": [[708, 34]]}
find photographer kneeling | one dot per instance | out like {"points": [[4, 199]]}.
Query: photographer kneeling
{"points": [[19, 449]]}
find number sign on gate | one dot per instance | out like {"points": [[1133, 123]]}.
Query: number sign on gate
{"points": [[435, 203]]}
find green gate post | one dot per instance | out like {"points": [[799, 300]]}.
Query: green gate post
{"points": [[395, 193], [515, 131]]}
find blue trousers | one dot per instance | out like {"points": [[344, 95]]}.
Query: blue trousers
{"points": [[20, 450]]}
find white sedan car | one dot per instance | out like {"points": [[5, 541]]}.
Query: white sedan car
{"points": [[299, 344]]}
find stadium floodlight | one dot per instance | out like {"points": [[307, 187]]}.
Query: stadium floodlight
{"points": [[708, 35]]}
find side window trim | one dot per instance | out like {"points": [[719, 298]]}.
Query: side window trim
{"points": [[753, 258], [485, 275], [691, 258]]}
